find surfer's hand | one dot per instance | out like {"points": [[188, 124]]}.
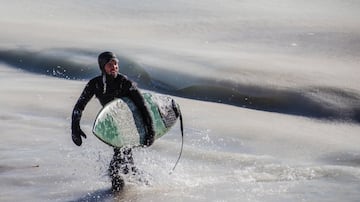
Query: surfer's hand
{"points": [[76, 135]]}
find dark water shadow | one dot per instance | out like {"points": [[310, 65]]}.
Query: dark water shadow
{"points": [[345, 158], [99, 195]]}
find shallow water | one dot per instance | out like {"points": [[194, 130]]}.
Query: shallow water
{"points": [[269, 92]]}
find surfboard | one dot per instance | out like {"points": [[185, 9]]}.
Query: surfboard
{"points": [[119, 123]]}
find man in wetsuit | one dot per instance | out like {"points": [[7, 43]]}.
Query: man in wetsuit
{"points": [[107, 87]]}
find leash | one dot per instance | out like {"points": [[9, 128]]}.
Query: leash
{"points": [[182, 141]]}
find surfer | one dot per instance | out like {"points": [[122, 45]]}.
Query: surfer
{"points": [[106, 87]]}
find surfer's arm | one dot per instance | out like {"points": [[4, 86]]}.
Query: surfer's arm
{"points": [[79, 107], [139, 101]]}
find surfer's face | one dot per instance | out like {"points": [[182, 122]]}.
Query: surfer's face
{"points": [[112, 68]]}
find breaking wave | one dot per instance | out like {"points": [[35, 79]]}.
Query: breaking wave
{"points": [[77, 64]]}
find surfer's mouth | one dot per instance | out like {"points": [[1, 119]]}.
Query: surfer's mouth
{"points": [[113, 71]]}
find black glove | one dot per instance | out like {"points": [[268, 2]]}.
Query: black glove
{"points": [[76, 134]]}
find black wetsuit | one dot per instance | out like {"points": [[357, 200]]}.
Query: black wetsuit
{"points": [[106, 89], [117, 87]]}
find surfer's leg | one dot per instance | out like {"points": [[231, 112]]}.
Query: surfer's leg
{"points": [[128, 167], [121, 164], [117, 182], [124, 160], [116, 169]]}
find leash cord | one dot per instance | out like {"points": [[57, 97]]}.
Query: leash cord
{"points": [[182, 142]]}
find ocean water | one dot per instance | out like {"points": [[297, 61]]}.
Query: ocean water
{"points": [[269, 91]]}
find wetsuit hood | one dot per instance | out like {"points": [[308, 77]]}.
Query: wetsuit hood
{"points": [[104, 58]]}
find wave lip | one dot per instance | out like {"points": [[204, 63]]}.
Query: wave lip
{"points": [[55, 62]]}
